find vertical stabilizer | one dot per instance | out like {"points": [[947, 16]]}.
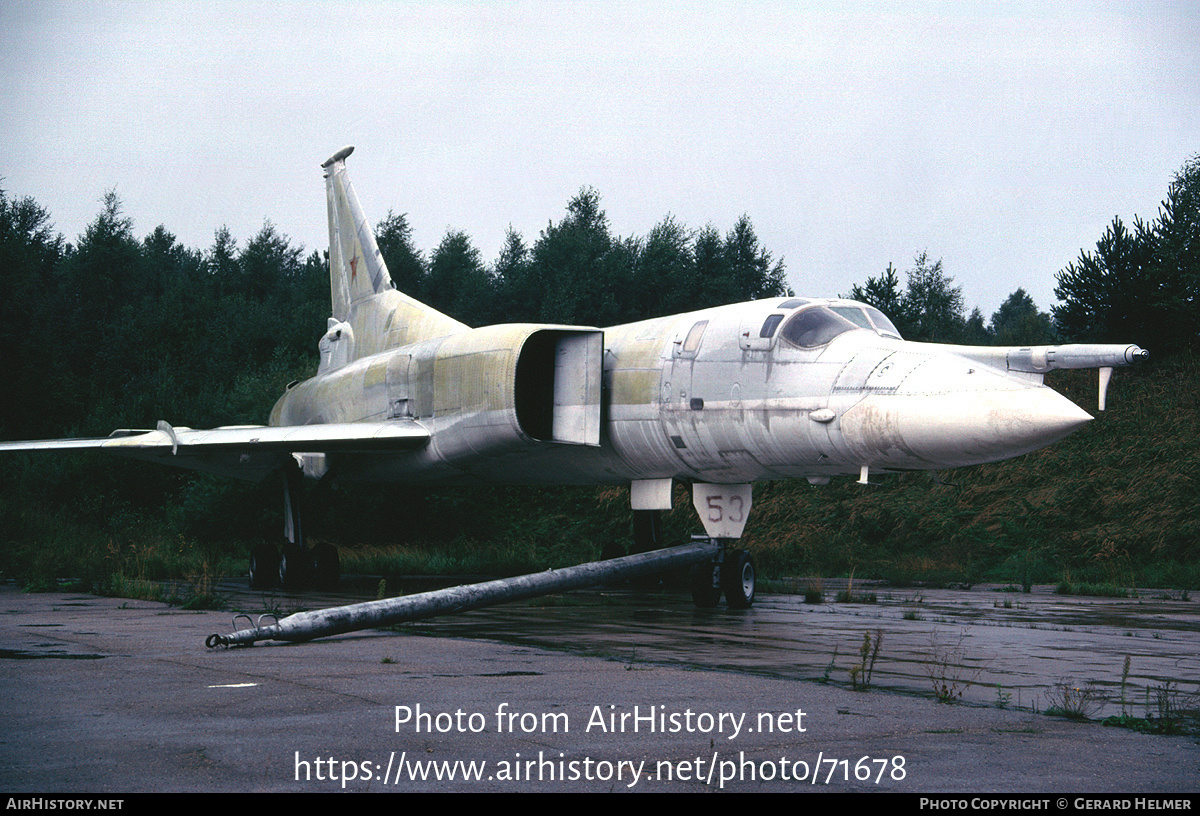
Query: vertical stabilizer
{"points": [[356, 269], [369, 313]]}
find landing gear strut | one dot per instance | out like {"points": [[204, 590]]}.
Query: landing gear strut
{"points": [[293, 565], [731, 572]]}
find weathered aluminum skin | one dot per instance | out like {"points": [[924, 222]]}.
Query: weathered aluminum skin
{"points": [[719, 413]]}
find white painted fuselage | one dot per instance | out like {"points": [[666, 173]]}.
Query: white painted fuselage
{"points": [[731, 394]]}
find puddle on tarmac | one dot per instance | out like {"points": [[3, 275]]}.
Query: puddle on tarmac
{"points": [[994, 647]]}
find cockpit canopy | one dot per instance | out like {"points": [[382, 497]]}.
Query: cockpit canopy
{"points": [[817, 325]]}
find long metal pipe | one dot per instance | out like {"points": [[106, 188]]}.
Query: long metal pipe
{"points": [[341, 619]]}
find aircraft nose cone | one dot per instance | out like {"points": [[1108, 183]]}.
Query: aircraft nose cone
{"points": [[959, 428]]}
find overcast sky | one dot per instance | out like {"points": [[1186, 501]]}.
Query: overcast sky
{"points": [[1000, 137]]}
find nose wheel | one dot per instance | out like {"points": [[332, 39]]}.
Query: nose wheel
{"points": [[738, 579], [731, 574]]}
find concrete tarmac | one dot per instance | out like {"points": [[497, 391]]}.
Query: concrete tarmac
{"points": [[105, 695]]}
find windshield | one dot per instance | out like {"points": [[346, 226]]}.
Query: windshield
{"points": [[882, 324], [817, 326]]}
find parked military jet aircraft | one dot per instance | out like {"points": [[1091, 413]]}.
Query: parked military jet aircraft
{"points": [[770, 389]]}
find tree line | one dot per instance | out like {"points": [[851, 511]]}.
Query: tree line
{"points": [[1140, 286], [578, 272], [930, 309]]}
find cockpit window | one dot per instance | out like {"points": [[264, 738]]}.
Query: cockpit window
{"points": [[854, 315], [792, 303], [770, 325], [882, 324], [692, 342], [868, 317], [815, 327]]}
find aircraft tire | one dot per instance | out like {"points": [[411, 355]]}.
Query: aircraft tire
{"points": [[264, 566], [705, 592], [738, 579], [326, 566], [294, 566]]}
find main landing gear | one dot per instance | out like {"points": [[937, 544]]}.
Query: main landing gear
{"points": [[293, 565], [731, 573]]}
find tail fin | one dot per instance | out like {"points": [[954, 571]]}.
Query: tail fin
{"points": [[369, 313], [352, 246]]}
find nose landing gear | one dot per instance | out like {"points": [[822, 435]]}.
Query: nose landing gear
{"points": [[731, 573]]}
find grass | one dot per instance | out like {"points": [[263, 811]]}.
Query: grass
{"points": [[457, 557], [1075, 701], [830, 667], [814, 592], [138, 563], [860, 673], [947, 669], [1168, 710], [1066, 587]]}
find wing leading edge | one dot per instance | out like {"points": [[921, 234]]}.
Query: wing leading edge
{"points": [[248, 452]]}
